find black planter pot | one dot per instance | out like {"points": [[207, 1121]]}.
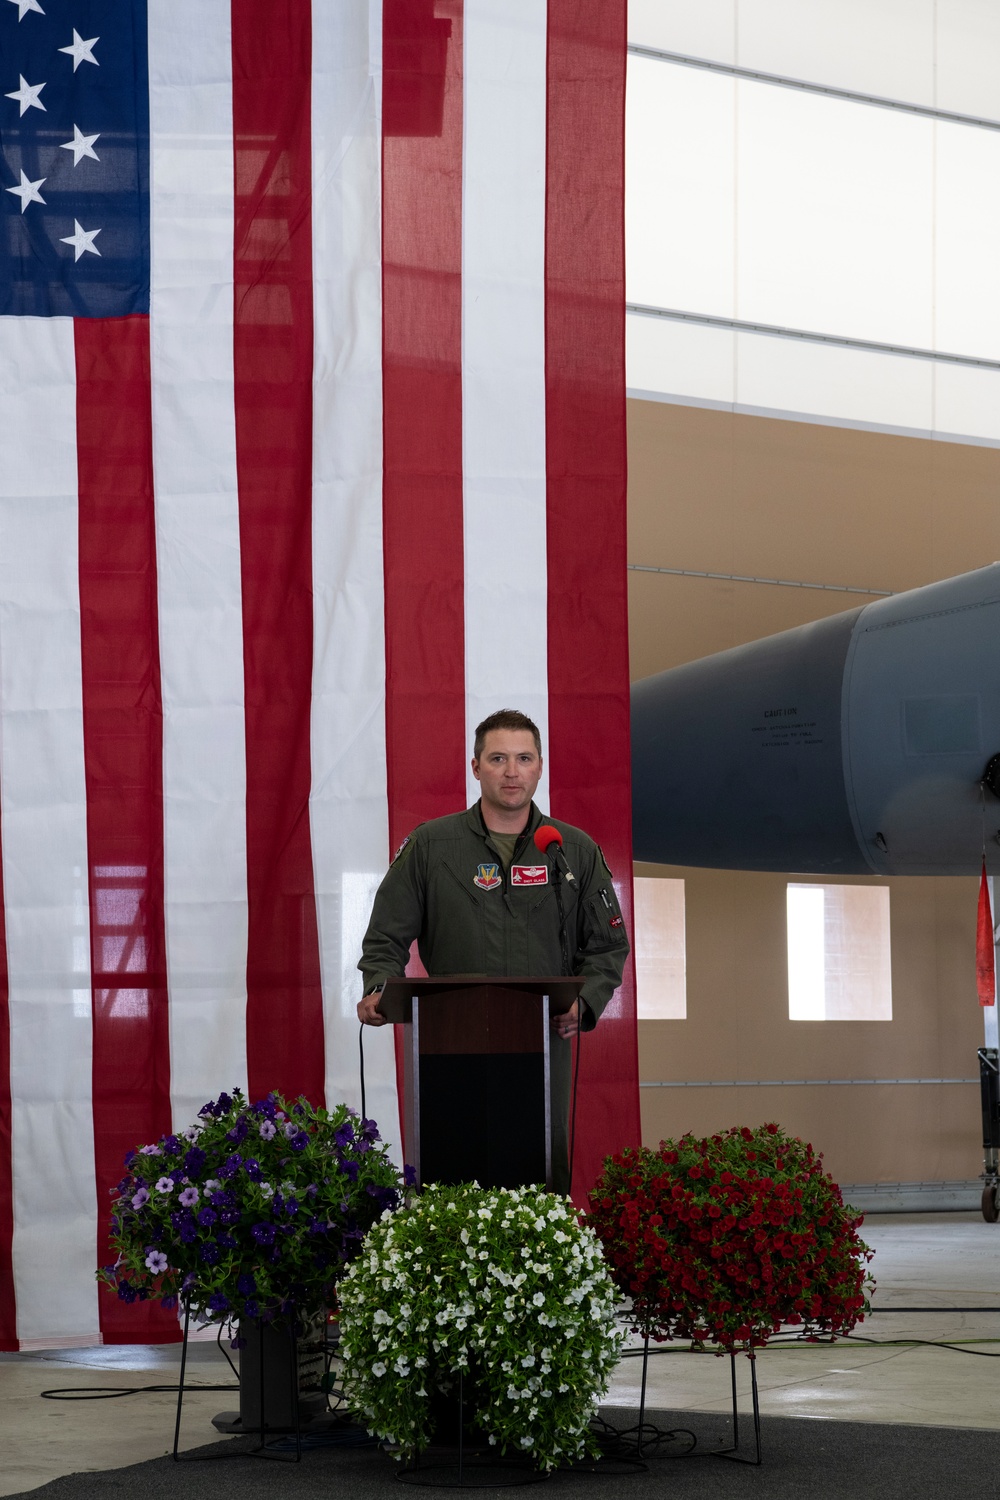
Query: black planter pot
{"points": [[281, 1370]]}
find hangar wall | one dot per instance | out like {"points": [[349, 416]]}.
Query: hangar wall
{"points": [[719, 492]]}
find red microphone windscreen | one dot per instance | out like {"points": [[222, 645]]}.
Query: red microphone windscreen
{"points": [[546, 836]]}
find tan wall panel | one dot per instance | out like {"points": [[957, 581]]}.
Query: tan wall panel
{"points": [[738, 1028], [878, 1134], [729, 493]]}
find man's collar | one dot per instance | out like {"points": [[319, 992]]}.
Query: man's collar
{"points": [[476, 821]]}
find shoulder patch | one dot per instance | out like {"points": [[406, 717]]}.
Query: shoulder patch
{"points": [[404, 846], [604, 862]]}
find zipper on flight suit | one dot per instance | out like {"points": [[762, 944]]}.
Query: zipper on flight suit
{"points": [[508, 888]]}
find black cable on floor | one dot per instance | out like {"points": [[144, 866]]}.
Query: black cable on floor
{"points": [[857, 1338], [109, 1392], [932, 1310], [643, 1441], [827, 1343]]}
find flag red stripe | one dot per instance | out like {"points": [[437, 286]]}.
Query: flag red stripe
{"points": [[585, 438], [122, 733], [273, 351], [422, 395], [8, 1301]]}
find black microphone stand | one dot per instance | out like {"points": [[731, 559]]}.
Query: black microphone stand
{"points": [[557, 881]]}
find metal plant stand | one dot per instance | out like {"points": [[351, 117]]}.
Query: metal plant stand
{"points": [[263, 1428], [734, 1453], [648, 1438]]}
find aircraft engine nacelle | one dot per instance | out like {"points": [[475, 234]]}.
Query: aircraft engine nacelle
{"points": [[853, 745]]}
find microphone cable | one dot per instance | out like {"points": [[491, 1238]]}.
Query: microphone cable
{"points": [[572, 1111], [361, 1066], [557, 881]]}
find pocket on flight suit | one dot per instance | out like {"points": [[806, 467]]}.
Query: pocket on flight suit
{"points": [[604, 924]]}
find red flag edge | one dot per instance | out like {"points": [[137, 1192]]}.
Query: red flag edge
{"points": [[985, 971]]}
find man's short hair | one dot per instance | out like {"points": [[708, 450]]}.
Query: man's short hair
{"points": [[505, 718]]}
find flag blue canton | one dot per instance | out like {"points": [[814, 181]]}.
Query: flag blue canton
{"points": [[74, 158]]}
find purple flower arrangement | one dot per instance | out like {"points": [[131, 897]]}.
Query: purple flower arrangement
{"points": [[253, 1212]]}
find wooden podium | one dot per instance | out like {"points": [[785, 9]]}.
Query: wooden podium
{"points": [[477, 1075]]}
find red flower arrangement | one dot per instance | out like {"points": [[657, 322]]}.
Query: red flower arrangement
{"points": [[728, 1239]]}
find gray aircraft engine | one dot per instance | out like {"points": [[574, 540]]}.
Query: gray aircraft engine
{"points": [[853, 745]]}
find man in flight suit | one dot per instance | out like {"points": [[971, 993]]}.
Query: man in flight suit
{"points": [[475, 893]]}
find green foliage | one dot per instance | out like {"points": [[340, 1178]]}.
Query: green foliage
{"points": [[504, 1284], [730, 1238], [252, 1212]]}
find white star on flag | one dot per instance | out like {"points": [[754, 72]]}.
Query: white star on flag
{"points": [[28, 191], [80, 51], [81, 239], [27, 95], [23, 6], [81, 145]]}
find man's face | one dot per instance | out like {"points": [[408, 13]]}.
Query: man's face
{"points": [[509, 769]]}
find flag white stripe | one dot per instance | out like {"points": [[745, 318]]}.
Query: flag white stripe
{"points": [[503, 361], [348, 803], [198, 547], [44, 836]]}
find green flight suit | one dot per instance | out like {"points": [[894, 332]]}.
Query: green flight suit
{"points": [[447, 888]]}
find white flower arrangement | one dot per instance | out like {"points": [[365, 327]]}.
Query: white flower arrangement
{"points": [[501, 1284]]}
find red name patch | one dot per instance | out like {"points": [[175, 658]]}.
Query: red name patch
{"points": [[529, 874]]}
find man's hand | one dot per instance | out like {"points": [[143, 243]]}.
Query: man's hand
{"points": [[368, 1013], [568, 1024]]}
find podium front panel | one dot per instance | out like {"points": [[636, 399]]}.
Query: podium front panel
{"points": [[480, 1095]]}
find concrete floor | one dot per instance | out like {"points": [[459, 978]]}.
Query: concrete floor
{"points": [[941, 1261]]}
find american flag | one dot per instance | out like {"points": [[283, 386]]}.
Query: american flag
{"points": [[311, 359]]}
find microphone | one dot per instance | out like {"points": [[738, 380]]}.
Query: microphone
{"points": [[549, 841]]}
